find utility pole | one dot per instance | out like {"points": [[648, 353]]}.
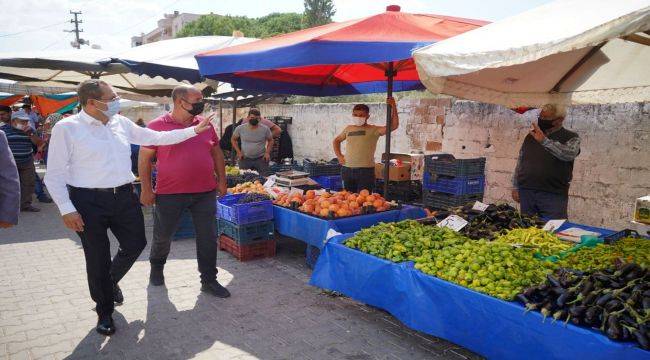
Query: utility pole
{"points": [[78, 42]]}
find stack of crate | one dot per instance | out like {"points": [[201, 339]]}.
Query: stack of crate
{"points": [[245, 231], [449, 182]]}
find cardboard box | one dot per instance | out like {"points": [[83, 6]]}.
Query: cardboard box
{"points": [[402, 173]]}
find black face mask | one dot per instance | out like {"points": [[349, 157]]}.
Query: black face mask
{"points": [[197, 108], [254, 122], [545, 124]]}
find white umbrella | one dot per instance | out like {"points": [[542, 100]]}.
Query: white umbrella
{"points": [[567, 51]]}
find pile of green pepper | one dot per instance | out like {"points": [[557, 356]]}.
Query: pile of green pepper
{"points": [[603, 256], [537, 240]]}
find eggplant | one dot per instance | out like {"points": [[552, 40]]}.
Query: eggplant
{"points": [[577, 310], [641, 339], [613, 305], [554, 282], [627, 269], [604, 299], [646, 303], [589, 299], [522, 299], [563, 299], [587, 287], [613, 330]]}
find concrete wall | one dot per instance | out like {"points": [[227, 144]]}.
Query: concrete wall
{"points": [[612, 170]]}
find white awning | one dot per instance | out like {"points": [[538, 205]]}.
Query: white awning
{"points": [[567, 51]]}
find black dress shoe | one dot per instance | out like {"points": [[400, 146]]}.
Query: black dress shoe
{"points": [[105, 325], [215, 289], [117, 294]]}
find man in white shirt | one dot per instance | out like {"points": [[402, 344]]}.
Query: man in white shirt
{"points": [[89, 177]]}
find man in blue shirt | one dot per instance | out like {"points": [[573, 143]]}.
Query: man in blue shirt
{"points": [[20, 137]]}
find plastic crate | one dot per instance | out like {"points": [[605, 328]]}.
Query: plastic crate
{"points": [[438, 200], [610, 239], [228, 209], [246, 233], [401, 191], [311, 256], [454, 185], [331, 182], [256, 250], [315, 169], [445, 164]]}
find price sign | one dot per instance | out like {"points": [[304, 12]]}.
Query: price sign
{"points": [[553, 225], [480, 206], [453, 222], [270, 181]]}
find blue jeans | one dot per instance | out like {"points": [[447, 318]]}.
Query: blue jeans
{"points": [[545, 204]]}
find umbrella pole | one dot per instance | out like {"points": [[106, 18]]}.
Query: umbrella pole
{"points": [[233, 154], [389, 92]]}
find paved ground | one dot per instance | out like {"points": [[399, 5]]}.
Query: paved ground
{"points": [[46, 311]]}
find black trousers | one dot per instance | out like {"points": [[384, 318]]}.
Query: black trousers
{"points": [[357, 179], [121, 213], [168, 211]]}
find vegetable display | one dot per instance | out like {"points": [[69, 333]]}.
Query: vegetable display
{"points": [[535, 239], [248, 187], [402, 241], [334, 205], [608, 256], [492, 222], [496, 269], [614, 302], [232, 170], [252, 198]]}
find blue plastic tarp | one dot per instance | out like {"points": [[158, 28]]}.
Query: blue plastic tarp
{"points": [[313, 230], [488, 326]]}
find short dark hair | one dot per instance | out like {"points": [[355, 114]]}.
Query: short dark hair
{"points": [[254, 111], [26, 106], [5, 108], [363, 107], [90, 90]]}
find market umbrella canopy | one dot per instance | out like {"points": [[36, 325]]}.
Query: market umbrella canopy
{"points": [[343, 58], [571, 52], [174, 58]]}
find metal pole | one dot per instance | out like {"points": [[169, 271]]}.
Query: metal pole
{"points": [[233, 154], [389, 93], [220, 117]]}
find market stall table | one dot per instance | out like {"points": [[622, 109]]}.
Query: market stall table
{"points": [[313, 230], [484, 324]]}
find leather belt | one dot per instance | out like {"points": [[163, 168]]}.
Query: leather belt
{"points": [[113, 190]]}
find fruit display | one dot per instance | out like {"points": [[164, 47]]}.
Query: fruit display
{"points": [[334, 205], [603, 256], [253, 198], [232, 170], [614, 302], [538, 240], [248, 187], [494, 221], [243, 178], [496, 269], [404, 240]]}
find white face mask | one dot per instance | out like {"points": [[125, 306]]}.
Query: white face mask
{"points": [[113, 107], [358, 120]]}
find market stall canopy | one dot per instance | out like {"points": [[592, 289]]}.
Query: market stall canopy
{"points": [[343, 58], [67, 68], [174, 59], [567, 51]]}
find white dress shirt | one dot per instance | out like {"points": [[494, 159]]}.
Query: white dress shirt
{"points": [[85, 153]]}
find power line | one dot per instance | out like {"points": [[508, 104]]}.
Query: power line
{"points": [[32, 30]]}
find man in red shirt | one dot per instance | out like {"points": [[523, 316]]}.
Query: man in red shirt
{"points": [[185, 180]]}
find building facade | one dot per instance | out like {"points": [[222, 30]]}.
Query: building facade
{"points": [[167, 28]]}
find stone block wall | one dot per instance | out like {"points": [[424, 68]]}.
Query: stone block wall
{"points": [[612, 170]]}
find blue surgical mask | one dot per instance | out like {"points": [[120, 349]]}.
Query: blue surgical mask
{"points": [[113, 108]]}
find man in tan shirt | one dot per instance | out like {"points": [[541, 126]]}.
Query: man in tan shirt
{"points": [[358, 171]]}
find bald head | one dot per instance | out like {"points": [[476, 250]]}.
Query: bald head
{"points": [[188, 102], [185, 92]]}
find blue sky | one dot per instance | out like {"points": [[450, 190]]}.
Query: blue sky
{"points": [[40, 24]]}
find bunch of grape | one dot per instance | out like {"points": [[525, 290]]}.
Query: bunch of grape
{"points": [[252, 198]]}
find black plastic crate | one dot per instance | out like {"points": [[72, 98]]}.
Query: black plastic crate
{"points": [[438, 200], [276, 168], [445, 164], [320, 169], [401, 191]]}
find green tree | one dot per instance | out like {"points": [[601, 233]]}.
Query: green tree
{"points": [[317, 12], [224, 25]]}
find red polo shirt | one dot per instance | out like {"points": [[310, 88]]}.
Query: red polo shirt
{"points": [[186, 167]]}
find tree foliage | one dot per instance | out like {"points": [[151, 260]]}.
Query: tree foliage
{"points": [[317, 12], [266, 26]]}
